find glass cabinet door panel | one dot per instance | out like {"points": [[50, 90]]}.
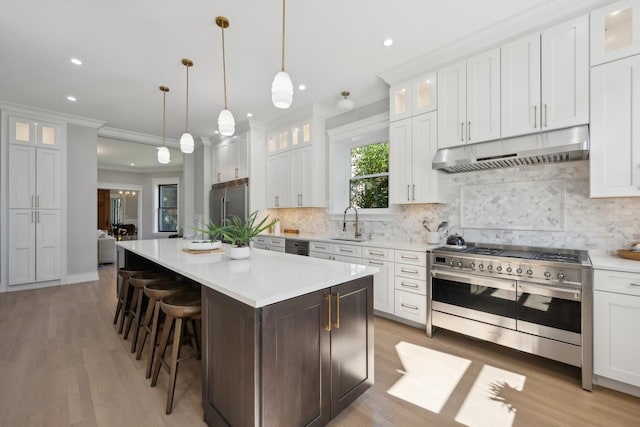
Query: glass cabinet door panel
{"points": [[294, 136], [48, 135], [400, 102], [617, 27], [284, 140], [424, 94], [306, 132], [271, 144], [615, 33]]}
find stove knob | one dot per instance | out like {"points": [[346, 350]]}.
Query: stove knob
{"points": [[509, 269], [547, 274], [499, 268], [560, 276], [451, 262], [472, 265], [529, 272], [460, 264], [481, 266], [489, 267], [519, 271]]}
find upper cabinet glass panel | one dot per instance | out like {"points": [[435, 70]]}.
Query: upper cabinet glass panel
{"points": [[48, 135], [284, 140], [425, 93], [271, 144], [22, 131], [614, 31], [306, 132]]}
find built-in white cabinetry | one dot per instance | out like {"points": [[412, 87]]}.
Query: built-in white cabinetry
{"points": [[413, 97], [469, 100], [410, 284], [296, 163], [545, 80], [35, 195], [231, 158], [413, 143], [383, 285], [276, 244], [615, 31], [616, 316], [615, 129]]}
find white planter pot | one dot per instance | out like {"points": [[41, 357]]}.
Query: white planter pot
{"points": [[242, 252]]}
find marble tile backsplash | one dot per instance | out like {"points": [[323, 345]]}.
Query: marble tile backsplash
{"points": [[540, 205]]}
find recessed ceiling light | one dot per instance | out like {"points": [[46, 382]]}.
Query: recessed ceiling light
{"points": [[71, 98], [387, 42], [249, 114], [76, 61], [302, 87], [132, 164]]}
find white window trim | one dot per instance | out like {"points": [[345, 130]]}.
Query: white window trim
{"points": [[155, 183], [371, 130]]}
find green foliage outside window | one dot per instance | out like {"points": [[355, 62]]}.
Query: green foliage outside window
{"points": [[369, 183]]}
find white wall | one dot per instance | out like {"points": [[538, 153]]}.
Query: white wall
{"points": [[82, 203]]}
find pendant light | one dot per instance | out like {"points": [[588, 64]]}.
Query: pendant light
{"points": [[226, 123], [345, 104], [282, 87], [186, 140], [163, 152]]}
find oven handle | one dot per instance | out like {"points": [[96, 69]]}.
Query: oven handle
{"points": [[562, 293], [475, 280]]}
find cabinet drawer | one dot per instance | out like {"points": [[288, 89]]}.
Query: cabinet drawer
{"points": [[348, 259], [258, 245], [411, 285], [411, 271], [377, 253], [411, 257], [321, 247], [348, 250], [619, 282], [260, 240], [275, 241], [322, 255], [411, 306]]}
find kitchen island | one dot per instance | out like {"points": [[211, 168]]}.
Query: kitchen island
{"points": [[286, 339]]}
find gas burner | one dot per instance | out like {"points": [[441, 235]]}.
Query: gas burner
{"points": [[557, 257], [481, 250]]}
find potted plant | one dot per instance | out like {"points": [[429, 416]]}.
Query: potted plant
{"points": [[214, 232], [240, 234]]}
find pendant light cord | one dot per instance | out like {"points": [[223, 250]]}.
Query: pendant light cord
{"points": [[186, 127], [283, 21], [224, 70], [164, 113]]}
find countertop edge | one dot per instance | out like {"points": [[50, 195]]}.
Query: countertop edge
{"points": [[605, 261]]}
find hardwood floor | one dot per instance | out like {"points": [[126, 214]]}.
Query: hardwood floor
{"points": [[62, 363]]}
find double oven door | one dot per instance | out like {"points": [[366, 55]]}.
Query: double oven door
{"points": [[547, 311]]}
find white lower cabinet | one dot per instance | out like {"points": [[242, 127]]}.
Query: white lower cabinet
{"points": [[411, 306], [410, 284], [383, 289], [275, 244], [616, 316]]}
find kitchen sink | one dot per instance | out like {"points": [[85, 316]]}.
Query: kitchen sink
{"points": [[350, 239]]}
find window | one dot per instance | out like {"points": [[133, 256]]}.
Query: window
{"points": [[369, 181], [167, 207]]}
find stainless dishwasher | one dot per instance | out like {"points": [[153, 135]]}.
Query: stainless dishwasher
{"points": [[295, 246]]}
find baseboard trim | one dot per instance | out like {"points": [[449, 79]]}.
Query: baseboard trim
{"points": [[83, 277], [617, 385]]}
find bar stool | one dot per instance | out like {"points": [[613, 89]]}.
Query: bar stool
{"points": [[155, 292], [180, 309], [138, 281], [124, 294]]}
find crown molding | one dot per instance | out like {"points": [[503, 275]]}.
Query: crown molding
{"points": [[131, 136], [50, 115], [141, 170]]}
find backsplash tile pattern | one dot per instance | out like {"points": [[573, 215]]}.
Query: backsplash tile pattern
{"points": [[592, 224]]}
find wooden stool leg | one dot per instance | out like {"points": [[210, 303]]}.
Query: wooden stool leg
{"points": [[120, 298], [134, 302], [166, 331], [173, 367], [123, 304], [146, 323], [154, 337], [136, 320]]}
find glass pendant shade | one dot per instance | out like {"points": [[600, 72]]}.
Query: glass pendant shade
{"points": [[282, 90], [226, 123], [163, 155], [186, 143], [345, 104]]}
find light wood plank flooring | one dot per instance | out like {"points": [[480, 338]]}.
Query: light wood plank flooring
{"points": [[62, 363]]}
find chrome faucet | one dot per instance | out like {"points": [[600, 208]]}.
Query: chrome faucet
{"points": [[344, 220]]}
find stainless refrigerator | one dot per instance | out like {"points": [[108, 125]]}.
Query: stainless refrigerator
{"points": [[227, 199]]}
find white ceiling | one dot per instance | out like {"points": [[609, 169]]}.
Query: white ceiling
{"points": [[129, 48]]}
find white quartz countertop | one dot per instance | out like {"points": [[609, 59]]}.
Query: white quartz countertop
{"points": [[376, 243], [267, 277], [607, 261]]}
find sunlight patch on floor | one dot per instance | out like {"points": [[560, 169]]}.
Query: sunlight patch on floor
{"points": [[493, 399], [429, 376]]}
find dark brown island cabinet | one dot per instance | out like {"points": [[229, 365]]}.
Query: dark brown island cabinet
{"points": [[298, 362]]}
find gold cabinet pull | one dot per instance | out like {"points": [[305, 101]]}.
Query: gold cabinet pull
{"points": [[461, 131], [337, 324], [468, 131], [328, 299]]}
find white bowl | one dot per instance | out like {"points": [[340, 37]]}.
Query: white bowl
{"points": [[202, 245]]}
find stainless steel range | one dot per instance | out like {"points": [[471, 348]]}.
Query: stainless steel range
{"points": [[536, 300]]}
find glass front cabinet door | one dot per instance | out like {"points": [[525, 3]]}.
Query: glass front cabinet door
{"points": [[32, 132], [615, 31]]}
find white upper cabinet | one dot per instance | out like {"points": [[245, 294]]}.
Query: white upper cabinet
{"points": [[36, 133], [565, 74], [413, 97], [615, 31], [520, 86], [290, 137], [545, 80], [231, 158], [615, 129], [469, 100]]}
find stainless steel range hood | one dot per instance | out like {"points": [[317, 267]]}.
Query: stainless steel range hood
{"points": [[561, 145]]}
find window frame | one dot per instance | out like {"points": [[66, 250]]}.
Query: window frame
{"points": [[156, 183], [364, 177]]}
